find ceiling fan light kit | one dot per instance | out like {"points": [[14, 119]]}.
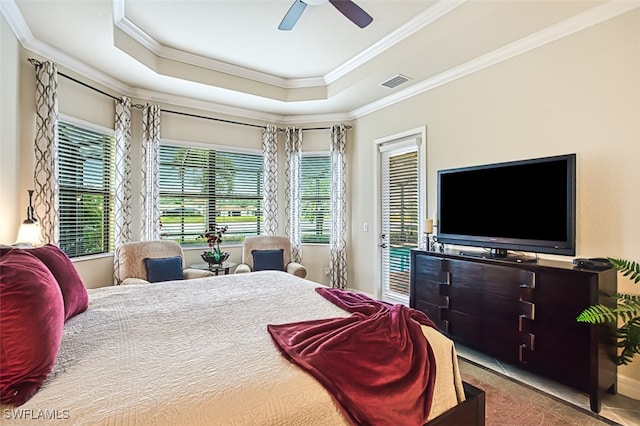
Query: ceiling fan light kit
{"points": [[348, 8]]}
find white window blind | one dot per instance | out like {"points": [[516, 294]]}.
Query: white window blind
{"points": [[400, 212], [86, 161], [315, 198], [201, 187]]}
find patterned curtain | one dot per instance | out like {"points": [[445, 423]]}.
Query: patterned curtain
{"points": [[122, 179], [337, 243], [270, 179], [293, 150], [46, 170], [150, 173]]}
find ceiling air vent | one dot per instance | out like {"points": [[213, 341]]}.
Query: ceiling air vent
{"points": [[396, 81]]}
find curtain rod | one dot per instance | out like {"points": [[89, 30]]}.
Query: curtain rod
{"points": [[237, 122], [37, 63], [211, 118]]}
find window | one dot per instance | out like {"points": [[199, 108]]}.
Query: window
{"points": [[86, 163], [315, 198], [201, 187]]}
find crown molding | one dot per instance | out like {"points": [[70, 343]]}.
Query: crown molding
{"points": [[441, 8], [422, 20], [317, 118], [146, 41], [16, 21], [203, 105], [149, 43], [562, 29], [550, 34]]}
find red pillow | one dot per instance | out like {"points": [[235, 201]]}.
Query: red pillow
{"points": [[31, 325], [74, 293]]}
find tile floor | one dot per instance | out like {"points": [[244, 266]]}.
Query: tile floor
{"points": [[618, 408]]}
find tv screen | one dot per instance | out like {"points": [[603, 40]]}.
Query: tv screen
{"points": [[526, 205]]}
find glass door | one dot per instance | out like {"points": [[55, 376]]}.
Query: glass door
{"points": [[399, 216]]}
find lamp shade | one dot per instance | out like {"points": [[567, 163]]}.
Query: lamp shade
{"points": [[428, 226], [29, 234]]}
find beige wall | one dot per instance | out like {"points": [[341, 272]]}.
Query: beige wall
{"points": [[12, 196], [579, 94]]}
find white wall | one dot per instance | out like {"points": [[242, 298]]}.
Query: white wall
{"points": [[579, 94]]}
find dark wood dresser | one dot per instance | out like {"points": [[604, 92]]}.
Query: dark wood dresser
{"points": [[523, 314]]}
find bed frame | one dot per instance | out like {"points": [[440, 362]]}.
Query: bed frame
{"points": [[469, 413]]}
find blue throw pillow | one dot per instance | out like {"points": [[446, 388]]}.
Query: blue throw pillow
{"points": [[163, 269], [268, 260]]}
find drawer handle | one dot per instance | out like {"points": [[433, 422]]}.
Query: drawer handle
{"points": [[528, 310], [444, 313], [528, 281], [445, 302], [530, 346], [529, 342], [521, 349]]}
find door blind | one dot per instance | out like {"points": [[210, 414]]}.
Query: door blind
{"points": [[400, 213]]}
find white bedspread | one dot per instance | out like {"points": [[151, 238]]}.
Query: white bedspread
{"points": [[197, 352]]}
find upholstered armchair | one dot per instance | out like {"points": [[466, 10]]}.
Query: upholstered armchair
{"points": [[266, 252], [133, 264]]}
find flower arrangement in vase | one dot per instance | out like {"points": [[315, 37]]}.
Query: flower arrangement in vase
{"points": [[214, 237]]}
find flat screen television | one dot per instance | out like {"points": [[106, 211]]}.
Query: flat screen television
{"points": [[527, 205]]}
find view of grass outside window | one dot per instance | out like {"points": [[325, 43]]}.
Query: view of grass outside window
{"points": [[86, 163], [315, 194], [201, 187]]}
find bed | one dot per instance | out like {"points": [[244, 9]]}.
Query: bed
{"points": [[197, 352]]}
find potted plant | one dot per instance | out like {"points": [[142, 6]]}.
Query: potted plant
{"points": [[627, 308], [214, 237]]}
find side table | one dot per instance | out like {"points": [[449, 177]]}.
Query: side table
{"points": [[226, 266]]}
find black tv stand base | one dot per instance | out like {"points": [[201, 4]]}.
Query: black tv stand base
{"points": [[500, 254]]}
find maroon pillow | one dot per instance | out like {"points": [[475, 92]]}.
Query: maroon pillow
{"points": [[31, 325], [74, 293]]}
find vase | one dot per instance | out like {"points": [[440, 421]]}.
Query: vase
{"points": [[214, 260]]}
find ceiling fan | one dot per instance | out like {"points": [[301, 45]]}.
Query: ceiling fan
{"points": [[348, 8]]}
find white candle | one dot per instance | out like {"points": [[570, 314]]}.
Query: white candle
{"points": [[428, 226]]}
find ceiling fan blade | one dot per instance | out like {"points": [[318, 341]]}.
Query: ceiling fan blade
{"points": [[353, 12], [293, 14]]}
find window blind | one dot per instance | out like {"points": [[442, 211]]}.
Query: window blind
{"points": [[315, 198], [86, 165], [400, 221], [201, 187]]}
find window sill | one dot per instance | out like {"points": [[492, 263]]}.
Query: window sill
{"points": [[90, 257]]}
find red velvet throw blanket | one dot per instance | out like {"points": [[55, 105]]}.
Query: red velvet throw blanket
{"points": [[377, 363]]}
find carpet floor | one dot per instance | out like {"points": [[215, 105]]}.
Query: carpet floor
{"points": [[511, 403]]}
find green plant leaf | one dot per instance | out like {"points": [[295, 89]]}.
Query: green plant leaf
{"points": [[629, 340], [627, 268], [597, 314], [627, 309]]}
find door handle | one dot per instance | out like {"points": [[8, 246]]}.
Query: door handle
{"points": [[383, 245]]}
